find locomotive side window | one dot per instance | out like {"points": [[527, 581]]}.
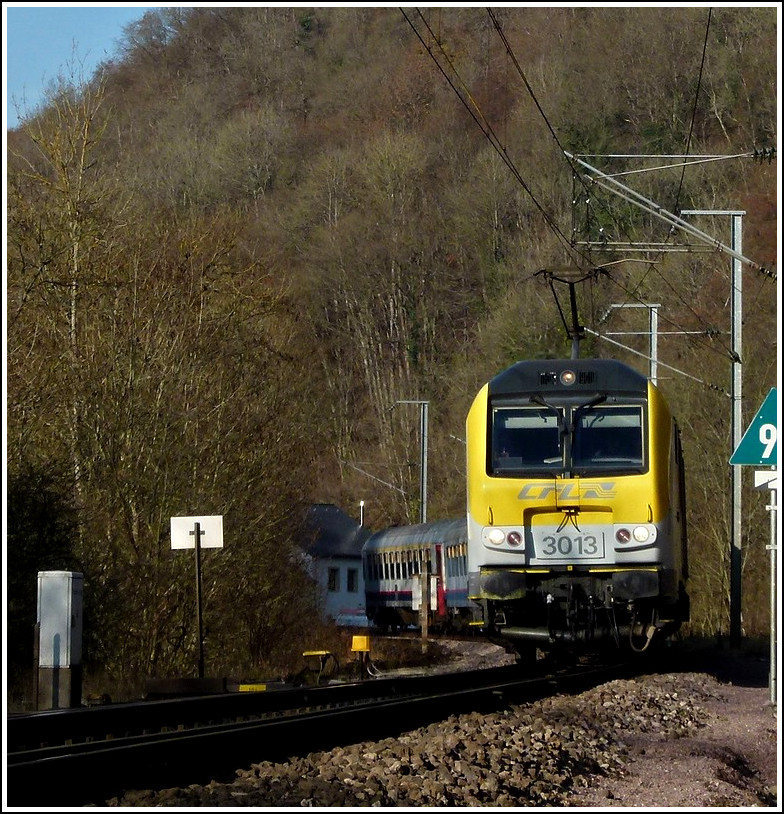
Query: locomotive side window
{"points": [[608, 438]]}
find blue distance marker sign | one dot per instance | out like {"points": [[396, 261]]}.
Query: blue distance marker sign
{"points": [[758, 447]]}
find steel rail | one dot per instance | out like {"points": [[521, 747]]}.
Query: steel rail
{"points": [[89, 770]]}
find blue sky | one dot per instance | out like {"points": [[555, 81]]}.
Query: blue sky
{"points": [[41, 41]]}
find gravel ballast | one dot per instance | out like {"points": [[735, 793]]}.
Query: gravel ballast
{"points": [[537, 754]]}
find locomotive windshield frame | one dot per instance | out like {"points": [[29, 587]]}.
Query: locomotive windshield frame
{"points": [[567, 438]]}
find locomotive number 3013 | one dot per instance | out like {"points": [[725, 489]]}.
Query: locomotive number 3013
{"points": [[572, 546]]}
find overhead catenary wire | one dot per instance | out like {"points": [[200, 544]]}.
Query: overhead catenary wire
{"points": [[633, 293], [658, 362], [694, 108], [683, 168], [477, 115], [695, 159], [521, 74], [479, 118]]}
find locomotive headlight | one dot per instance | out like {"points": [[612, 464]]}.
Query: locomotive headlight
{"points": [[568, 377], [496, 536], [514, 538], [641, 534]]}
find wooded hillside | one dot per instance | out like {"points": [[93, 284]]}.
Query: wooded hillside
{"points": [[233, 251]]}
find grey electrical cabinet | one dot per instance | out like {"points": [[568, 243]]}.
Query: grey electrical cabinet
{"points": [[60, 600]]}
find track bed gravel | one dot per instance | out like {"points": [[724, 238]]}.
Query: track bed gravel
{"points": [[677, 739]]}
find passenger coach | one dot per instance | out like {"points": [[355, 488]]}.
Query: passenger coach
{"points": [[395, 561]]}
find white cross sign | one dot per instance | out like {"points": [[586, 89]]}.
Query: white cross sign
{"points": [[210, 531]]}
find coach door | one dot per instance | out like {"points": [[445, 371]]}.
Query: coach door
{"points": [[440, 578]]}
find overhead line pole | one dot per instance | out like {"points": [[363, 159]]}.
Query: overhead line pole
{"points": [[736, 561], [423, 405], [735, 251]]}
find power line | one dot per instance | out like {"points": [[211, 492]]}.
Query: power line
{"points": [[521, 73], [487, 129], [683, 165], [659, 363], [694, 109], [576, 173], [483, 125]]}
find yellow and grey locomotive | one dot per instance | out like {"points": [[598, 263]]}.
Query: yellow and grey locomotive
{"points": [[575, 506]]}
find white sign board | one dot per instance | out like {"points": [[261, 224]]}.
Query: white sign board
{"points": [[210, 531], [766, 479], [416, 594]]}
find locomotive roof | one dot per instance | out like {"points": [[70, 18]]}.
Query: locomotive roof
{"points": [[591, 375], [440, 531]]}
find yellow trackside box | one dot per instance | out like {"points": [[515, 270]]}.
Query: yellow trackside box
{"points": [[360, 644]]}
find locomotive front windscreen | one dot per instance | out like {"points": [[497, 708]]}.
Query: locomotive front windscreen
{"points": [[575, 439], [608, 438], [525, 439]]}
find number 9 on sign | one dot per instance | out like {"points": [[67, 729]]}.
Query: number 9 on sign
{"points": [[767, 437]]}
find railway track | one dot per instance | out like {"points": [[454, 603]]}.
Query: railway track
{"points": [[88, 755]]}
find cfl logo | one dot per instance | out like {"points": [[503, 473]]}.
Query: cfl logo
{"points": [[566, 491]]}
